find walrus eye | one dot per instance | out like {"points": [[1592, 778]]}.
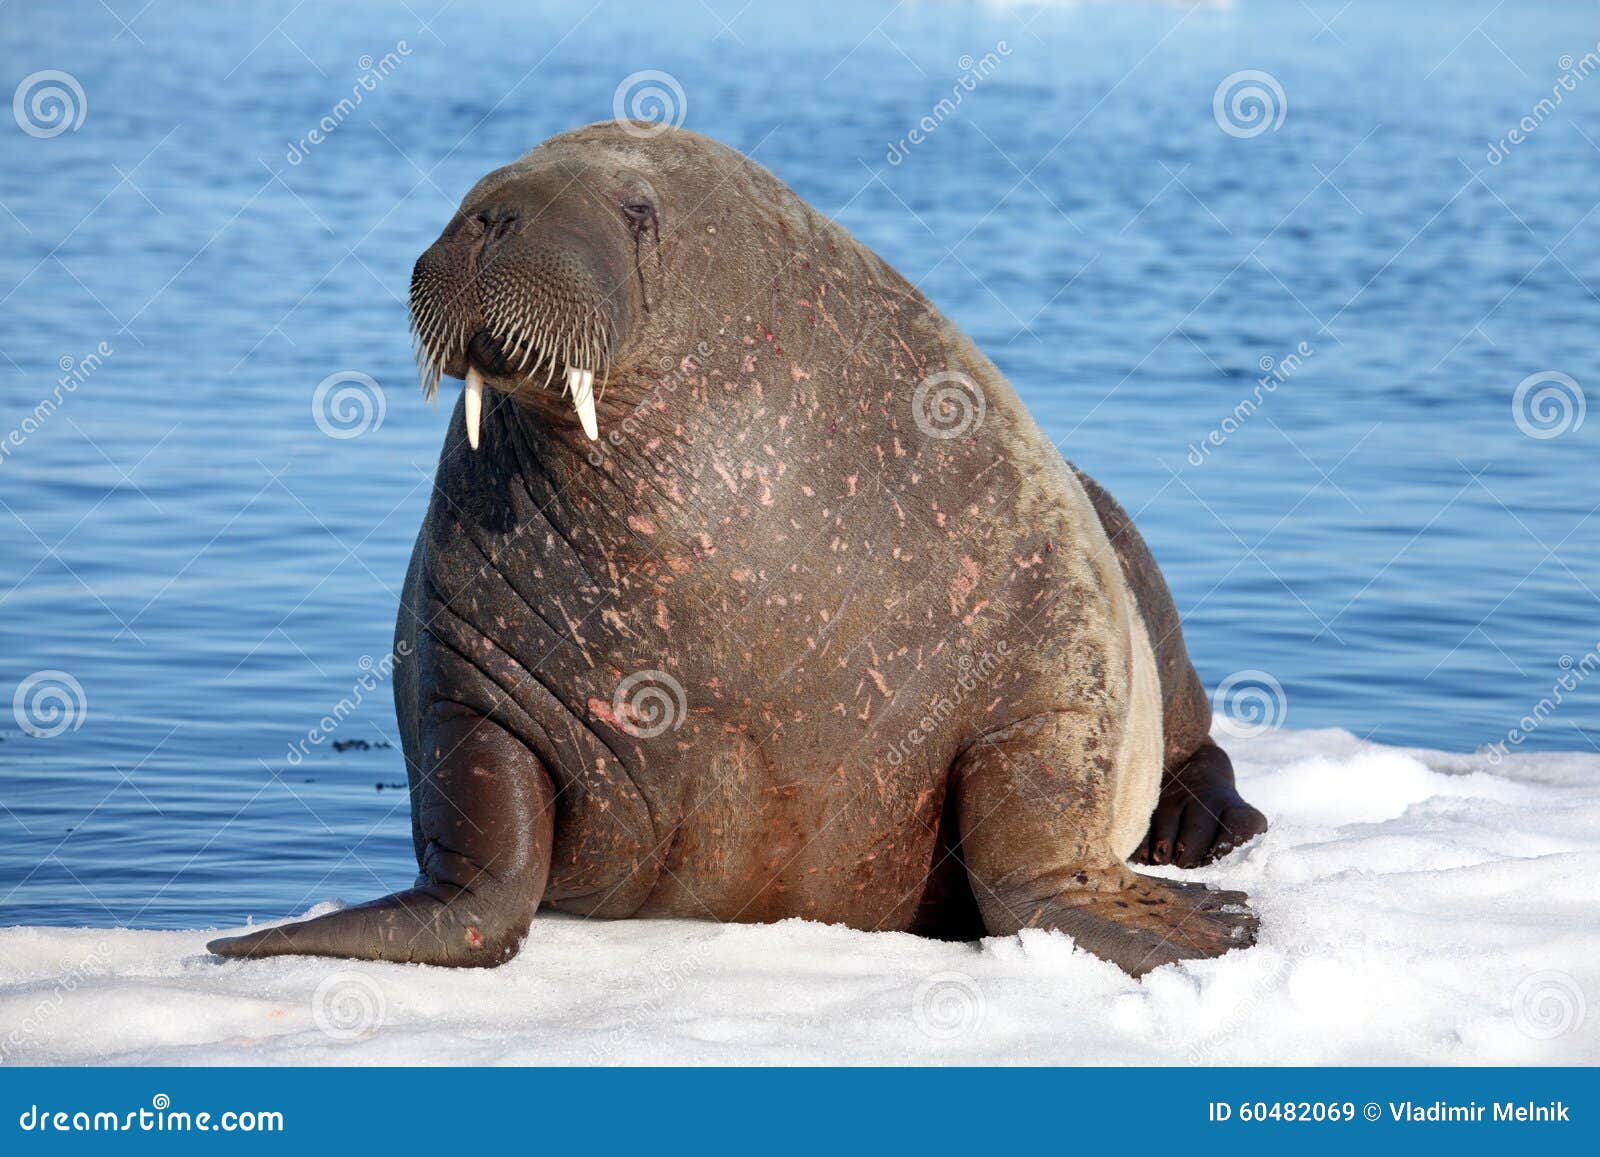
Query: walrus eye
{"points": [[641, 218]]}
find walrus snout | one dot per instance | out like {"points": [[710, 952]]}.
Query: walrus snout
{"points": [[530, 286]]}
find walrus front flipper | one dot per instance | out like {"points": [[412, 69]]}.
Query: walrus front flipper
{"points": [[487, 809], [1034, 806], [428, 925]]}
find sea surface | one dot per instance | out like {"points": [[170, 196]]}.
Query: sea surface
{"points": [[1330, 343]]}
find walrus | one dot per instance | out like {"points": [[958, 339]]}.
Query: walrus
{"points": [[750, 590]]}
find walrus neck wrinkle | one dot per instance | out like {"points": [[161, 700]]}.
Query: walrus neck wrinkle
{"points": [[584, 485], [644, 486]]}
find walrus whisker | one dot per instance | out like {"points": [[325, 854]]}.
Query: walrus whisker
{"points": [[556, 333]]}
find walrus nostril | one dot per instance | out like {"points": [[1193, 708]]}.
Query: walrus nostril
{"points": [[497, 223], [495, 228]]}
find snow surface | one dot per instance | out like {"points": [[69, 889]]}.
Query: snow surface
{"points": [[1417, 908]]}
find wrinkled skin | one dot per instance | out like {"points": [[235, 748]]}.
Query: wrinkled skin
{"points": [[905, 681]]}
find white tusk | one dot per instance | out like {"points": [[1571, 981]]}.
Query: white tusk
{"points": [[581, 385], [474, 404]]}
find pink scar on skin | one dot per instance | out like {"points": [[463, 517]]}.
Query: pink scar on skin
{"points": [[962, 586]]}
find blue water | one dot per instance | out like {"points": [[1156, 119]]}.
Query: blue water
{"points": [[182, 539]]}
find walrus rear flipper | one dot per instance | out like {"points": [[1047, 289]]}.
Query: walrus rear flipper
{"points": [[487, 815], [1032, 808]]}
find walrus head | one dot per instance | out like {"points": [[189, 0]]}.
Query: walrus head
{"points": [[541, 276]]}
